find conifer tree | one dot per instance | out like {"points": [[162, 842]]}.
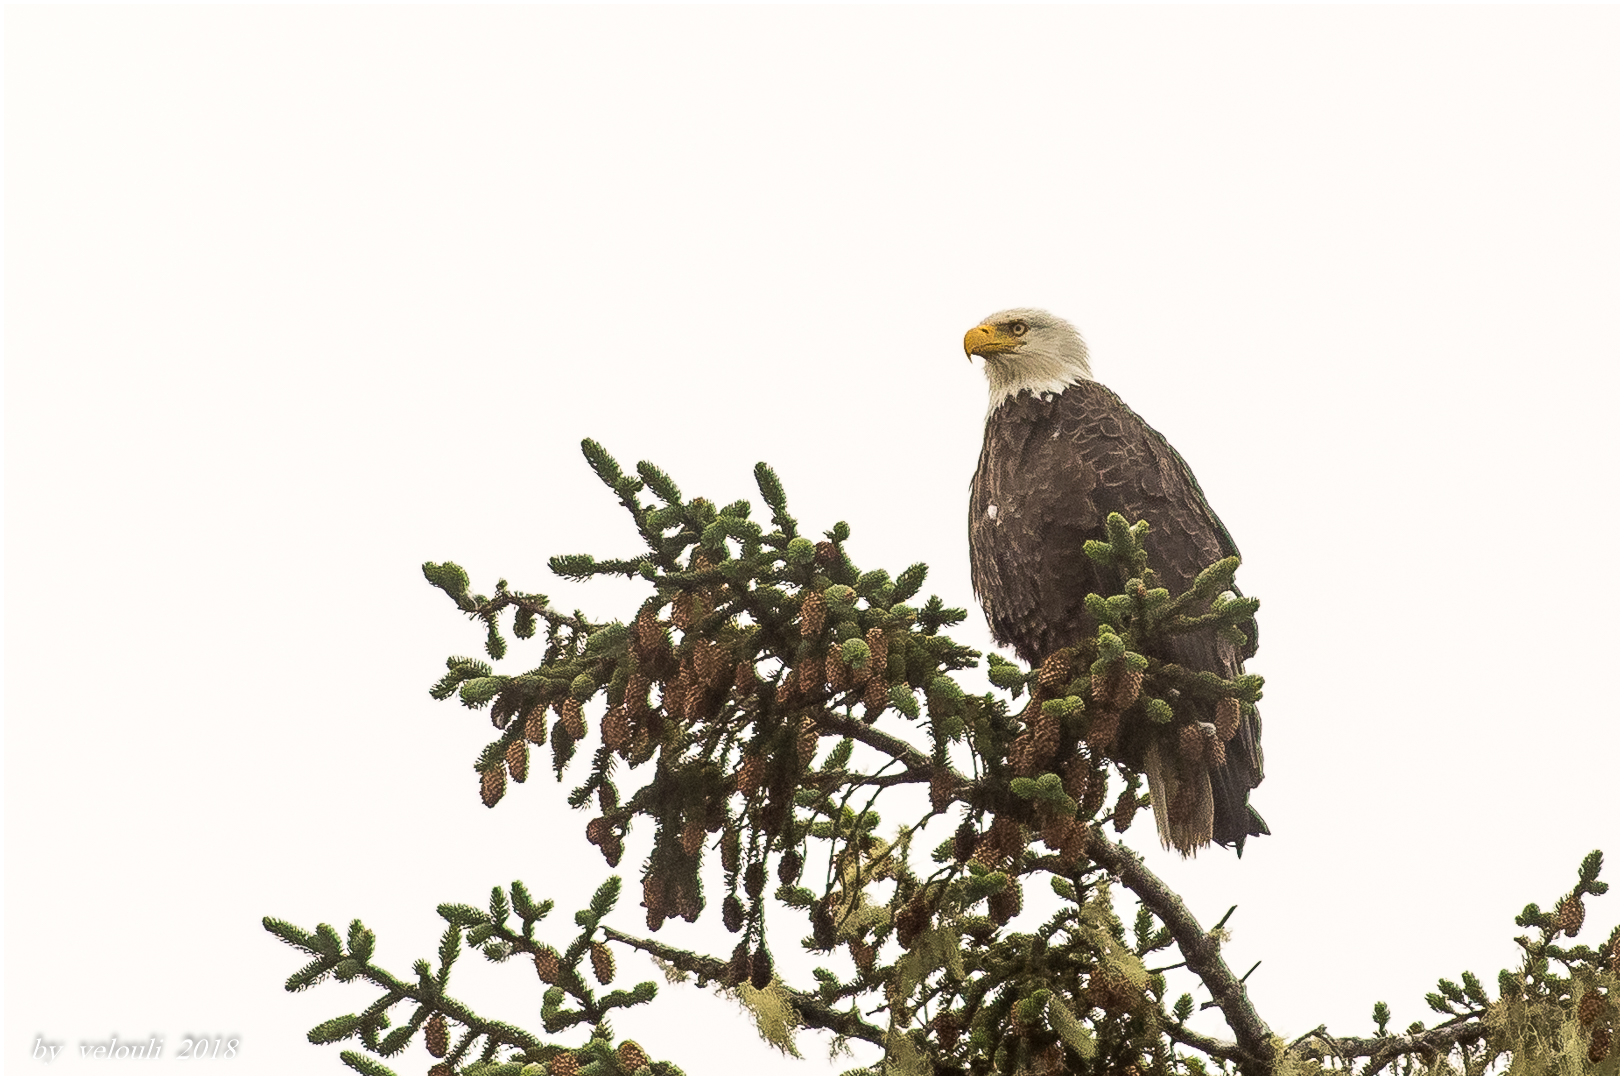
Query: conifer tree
{"points": [[760, 711]]}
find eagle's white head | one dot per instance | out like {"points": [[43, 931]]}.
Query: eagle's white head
{"points": [[1027, 349]]}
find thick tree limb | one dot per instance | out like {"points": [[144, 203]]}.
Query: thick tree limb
{"points": [[812, 1009], [1255, 1051], [1382, 1050]]}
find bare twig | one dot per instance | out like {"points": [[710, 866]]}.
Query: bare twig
{"points": [[811, 1008], [918, 764], [1216, 1048]]}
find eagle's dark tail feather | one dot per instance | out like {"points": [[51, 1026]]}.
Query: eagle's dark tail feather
{"points": [[1233, 820]]}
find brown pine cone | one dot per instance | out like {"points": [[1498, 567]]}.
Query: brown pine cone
{"points": [[631, 1057], [744, 677], [738, 966], [564, 1064], [617, 728], [862, 954], [752, 770], [435, 1037], [808, 674], [1074, 776], [1099, 782], [1002, 841], [912, 920], [1110, 991], [1004, 906], [823, 923], [730, 849], [1050, 1061], [964, 841], [835, 671], [492, 785], [1127, 805], [674, 696], [947, 1027], [814, 609], [1045, 737], [879, 651], [761, 968], [1102, 731], [1217, 754], [688, 905], [1022, 755], [1056, 670], [826, 552], [612, 849], [1589, 1007], [709, 662], [518, 760], [942, 786], [597, 830], [547, 965], [755, 879], [1073, 848], [785, 689], [535, 723], [693, 837], [654, 892], [806, 743], [1228, 718], [502, 710], [876, 695], [1005, 834], [1570, 915], [574, 722], [637, 685], [732, 914], [789, 867], [693, 705], [682, 610], [986, 852], [1101, 684], [1192, 744], [603, 963], [440, 1068], [1601, 1041], [1127, 689], [647, 633]]}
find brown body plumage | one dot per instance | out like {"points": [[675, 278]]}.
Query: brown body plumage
{"points": [[1061, 453]]}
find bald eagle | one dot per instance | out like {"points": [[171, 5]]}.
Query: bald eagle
{"points": [[1062, 452]]}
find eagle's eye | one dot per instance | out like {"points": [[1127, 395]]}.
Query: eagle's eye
{"points": [[1017, 328]]}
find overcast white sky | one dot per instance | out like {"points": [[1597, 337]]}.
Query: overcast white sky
{"points": [[297, 298]]}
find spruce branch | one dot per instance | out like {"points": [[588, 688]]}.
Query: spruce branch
{"points": [[811, 1008], [1200, 949], [751, 647]]}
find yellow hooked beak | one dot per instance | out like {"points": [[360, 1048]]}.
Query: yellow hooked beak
{"points": [[985, 341]]}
